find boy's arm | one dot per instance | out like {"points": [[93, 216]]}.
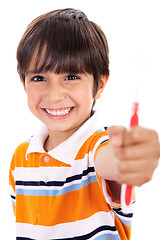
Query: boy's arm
{"points": [[131, 157]]}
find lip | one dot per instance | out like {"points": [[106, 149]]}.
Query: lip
{"points": [[58, 109]]}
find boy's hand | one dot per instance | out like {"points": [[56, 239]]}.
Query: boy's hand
{"points": [[135, 152]]}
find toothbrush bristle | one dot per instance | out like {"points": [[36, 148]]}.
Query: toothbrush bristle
{"points": [[135, 106], [134, 119]]}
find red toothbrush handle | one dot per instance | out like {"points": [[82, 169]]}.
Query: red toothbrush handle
{"points": [[133, 122], [128, 195]]}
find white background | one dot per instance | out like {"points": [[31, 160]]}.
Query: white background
{"points": [[133, 32]]}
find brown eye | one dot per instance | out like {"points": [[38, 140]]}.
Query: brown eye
{"points": [[72, 77], [38, 79]]}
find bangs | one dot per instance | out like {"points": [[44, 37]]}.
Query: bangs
{"points": [[64, 42], [63, 49]]}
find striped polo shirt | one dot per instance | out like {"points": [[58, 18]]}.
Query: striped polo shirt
{"points": [[59, 195]]}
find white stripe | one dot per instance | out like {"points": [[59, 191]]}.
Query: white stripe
{"points": [[12, 192], [67, 230], [13, 173], [13, 202], [52, 173], [57, 187], [124, 217]]}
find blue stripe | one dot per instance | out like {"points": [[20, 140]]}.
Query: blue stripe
{"points": [[108, 236], [126, 222], [100, 130], [28, 140], [14, 203], [43, 192]]}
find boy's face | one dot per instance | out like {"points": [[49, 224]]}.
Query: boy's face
{"points": [[63, 102]]}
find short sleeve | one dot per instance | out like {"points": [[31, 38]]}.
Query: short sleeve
{"points": [[12, 184]]}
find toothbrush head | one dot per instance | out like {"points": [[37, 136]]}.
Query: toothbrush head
{"points": [[134, 119], [135, 107]]}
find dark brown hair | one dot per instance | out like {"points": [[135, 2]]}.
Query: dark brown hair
{"points": [[72, 44]]}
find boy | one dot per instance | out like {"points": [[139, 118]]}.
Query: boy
{"points": [[66, 181]]}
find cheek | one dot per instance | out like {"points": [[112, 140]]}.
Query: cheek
{"points": [[83, 96], [88, 93], [32, 98]]}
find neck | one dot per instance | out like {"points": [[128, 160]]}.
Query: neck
{"points": [[56, 138]]}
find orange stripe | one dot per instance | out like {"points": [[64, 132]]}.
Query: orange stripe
{"points": [[11, 180], [89, 144], [70, 207], [14, 209], [123, 230]]}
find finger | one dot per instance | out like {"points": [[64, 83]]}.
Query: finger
{"points": [[138, 166], [116, 134], [139, 134], [137, 151], [135, 179]]}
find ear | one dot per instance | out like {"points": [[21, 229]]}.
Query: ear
{"points": [[101, 86], [22, 81]]}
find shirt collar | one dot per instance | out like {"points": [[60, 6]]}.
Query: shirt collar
{"points": [[67, 150]]}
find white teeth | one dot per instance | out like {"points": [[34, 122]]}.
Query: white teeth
{"points": [[58, 112]]}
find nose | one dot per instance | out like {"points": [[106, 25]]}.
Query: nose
{"points": [[55, 92]]}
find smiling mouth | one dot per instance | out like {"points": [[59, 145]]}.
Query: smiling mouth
{"points": [[59, 112]]}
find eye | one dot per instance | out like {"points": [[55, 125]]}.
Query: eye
{"points": [[71, 77], [38, 79]]}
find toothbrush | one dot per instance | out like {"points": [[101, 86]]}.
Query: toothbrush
{"points": [[127, 190]]}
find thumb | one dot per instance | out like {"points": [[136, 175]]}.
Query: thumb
{"points": [[116, 134]]}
